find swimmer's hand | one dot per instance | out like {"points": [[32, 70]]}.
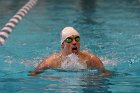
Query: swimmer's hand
{"points": [[34, 73], [105, 73]]}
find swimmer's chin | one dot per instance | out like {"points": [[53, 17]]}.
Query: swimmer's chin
{"points": [[75, 51]]}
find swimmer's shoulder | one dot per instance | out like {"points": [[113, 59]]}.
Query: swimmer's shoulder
{"points": [[84, 54], [87, 53], [52, 57], [54, 60], [84, 51], [55, 56]]}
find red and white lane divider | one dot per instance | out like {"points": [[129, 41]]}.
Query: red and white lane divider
{"points": [[11, 24]]}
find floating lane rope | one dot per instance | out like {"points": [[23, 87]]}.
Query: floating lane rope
{"points": [[11, 24]]}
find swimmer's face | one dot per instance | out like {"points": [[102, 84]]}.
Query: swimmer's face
{"points": [[71, 44]]}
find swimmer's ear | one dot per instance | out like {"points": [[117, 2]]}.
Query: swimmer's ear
{"points": [[62, 46]]}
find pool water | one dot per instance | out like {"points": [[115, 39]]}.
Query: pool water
{"points": [[108, 28]]}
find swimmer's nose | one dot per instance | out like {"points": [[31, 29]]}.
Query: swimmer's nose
{"points": [[74, 42]]}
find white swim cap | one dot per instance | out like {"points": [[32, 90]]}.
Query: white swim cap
{"points": [[67, 32]]}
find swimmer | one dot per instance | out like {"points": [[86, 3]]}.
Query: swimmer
{"points": [[70, 44]]}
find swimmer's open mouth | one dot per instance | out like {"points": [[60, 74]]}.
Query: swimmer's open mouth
{"points": [[74, 48]]}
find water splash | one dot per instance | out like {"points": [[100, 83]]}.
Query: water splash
{"points": [[8, 59], [28, 63], [109, 63], [72, 63]]}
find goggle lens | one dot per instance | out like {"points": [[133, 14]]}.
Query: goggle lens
{"points": [[77, 39], [69, 40]]}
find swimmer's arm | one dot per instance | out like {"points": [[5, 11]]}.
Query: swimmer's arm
{"points": [[97, 63], [45, 64]]}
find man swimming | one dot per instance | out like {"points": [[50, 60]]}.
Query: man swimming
{"points": [[70, 44]]}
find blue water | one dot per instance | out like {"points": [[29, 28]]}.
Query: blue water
{"points": [[108, 28]]}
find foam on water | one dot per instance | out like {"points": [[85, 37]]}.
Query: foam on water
{"points": [[72, 63]]}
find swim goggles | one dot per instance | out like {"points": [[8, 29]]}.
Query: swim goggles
{"points": [[69, 39]]}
